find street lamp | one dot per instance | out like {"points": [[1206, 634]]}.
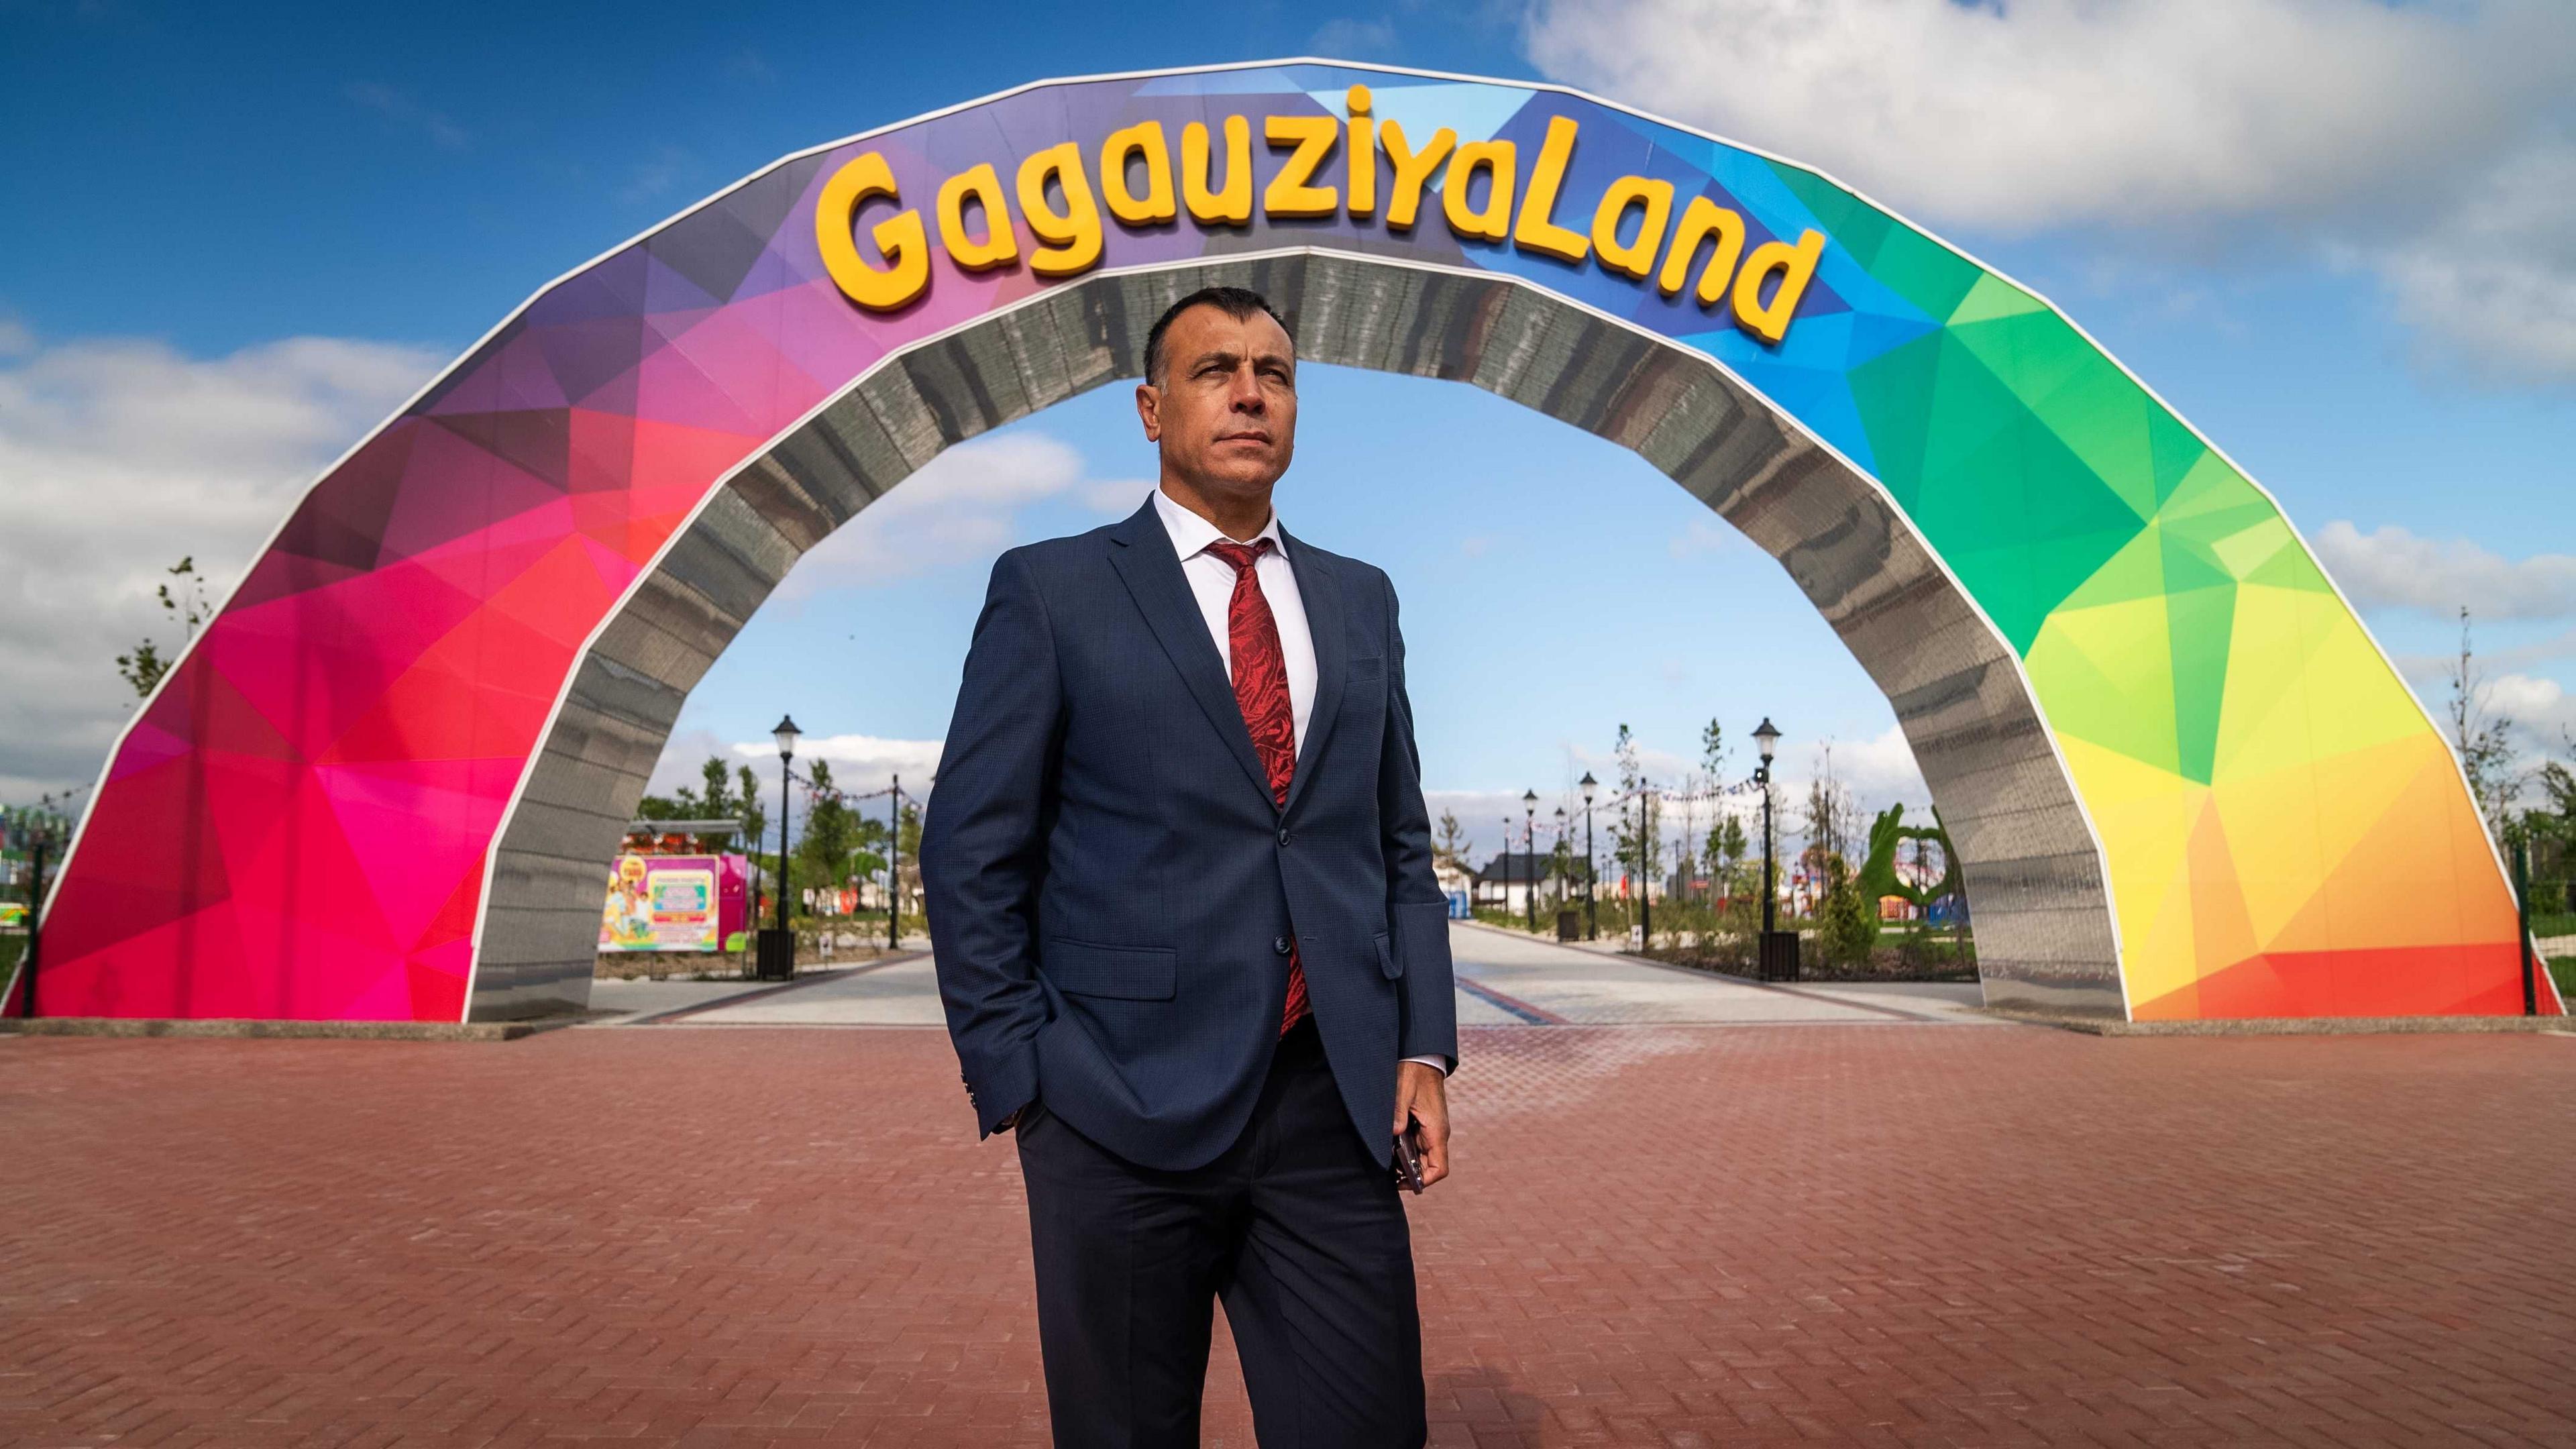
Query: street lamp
{"points": [[1591, 910], [778, 944], [1529, 857], [1766, 736], [1562, 851], [39, 835], [894, 866], [1645, 872]]}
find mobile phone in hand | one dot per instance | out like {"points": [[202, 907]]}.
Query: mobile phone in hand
{"points": [[1408, 1157]]}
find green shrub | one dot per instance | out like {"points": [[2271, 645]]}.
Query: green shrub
{"points": [[1847, 926]]}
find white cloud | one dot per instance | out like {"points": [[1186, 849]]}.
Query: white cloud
{"points": [[1702, 537], [1881, 771], [1348, 39], [2050, 111], [2492, 284], [2392, 568], [655, 175], [963, 506], [118, 457], [2541, 707], [1120, 496], [2425, 142], [403, 109], [859, 762]]}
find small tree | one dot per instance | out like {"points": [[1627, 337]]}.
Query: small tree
{"points": [[830, 833], [1726, 850], [189, 607], [908, 842], [1847, 926], [1451, 844], [1635, 825], [714, 797], [1833, 817], [2483, 738], [747, 807], [1713, 751]]}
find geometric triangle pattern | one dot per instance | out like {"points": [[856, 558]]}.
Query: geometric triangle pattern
{"points": [[300, 823]]}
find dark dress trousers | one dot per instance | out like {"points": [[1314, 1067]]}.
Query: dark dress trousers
{"points": [[1112, 895]]}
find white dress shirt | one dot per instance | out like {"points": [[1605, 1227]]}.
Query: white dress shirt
{"points": [[1212, 584]]}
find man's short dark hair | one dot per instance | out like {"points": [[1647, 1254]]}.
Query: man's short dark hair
{"points": [[1238, 303]]}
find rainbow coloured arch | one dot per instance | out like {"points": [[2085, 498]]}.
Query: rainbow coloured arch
{"points": [[2183, 779]]}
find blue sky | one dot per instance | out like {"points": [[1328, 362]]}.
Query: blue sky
{"points": [[238, 238]]}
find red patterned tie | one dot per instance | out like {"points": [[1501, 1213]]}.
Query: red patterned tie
{"points": [[1261, 692]]}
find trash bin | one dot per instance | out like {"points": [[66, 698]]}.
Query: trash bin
{"points": [[777, 954], [1779, 955], [1569, 925]]}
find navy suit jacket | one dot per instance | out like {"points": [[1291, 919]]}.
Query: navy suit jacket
{"points": [[1111, 889]]}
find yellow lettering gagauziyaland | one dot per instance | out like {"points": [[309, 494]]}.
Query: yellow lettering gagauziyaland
{"points": [[1231, 206], [1537, 230], [1637, 258], [1796, 266], [1703, 220], [1073, 234], [1056, 202], [984, 188], [1412, 171], [898, 237], [1156, 204], [1493, 220], [1362, 151], [1290, 192]]}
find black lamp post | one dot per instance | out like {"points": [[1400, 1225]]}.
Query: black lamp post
{"points": [[1529, 858], [1645, 874], [1779, 961], [778, 943], [40, 836], [1591, 907], [894, 867], [1560, 857]]}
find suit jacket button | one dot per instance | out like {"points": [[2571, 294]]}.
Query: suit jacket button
{"points": [[1280, 945], [1283, 835]]}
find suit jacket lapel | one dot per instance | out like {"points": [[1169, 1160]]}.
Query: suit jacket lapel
{"points": [[1321, 589], [1142, 553]]}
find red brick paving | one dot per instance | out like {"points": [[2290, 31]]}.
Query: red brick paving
{"points": [[1867, 1235]]}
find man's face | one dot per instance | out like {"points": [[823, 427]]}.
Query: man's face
{"points": [[1225, 413]]}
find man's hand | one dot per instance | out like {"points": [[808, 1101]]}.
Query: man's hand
{"points": [[1422, 1095]]}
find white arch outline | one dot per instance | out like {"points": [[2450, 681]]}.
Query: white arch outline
{"points": [[99, 786]]}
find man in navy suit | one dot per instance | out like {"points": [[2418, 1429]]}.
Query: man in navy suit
{"points": [[1191, 950]]}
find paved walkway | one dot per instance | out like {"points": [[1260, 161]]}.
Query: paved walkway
{"points": [[1500, 970], [1878, 1235], [1503, 980]]}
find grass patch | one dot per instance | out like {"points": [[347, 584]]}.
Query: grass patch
{"points": [[2563, 971]]}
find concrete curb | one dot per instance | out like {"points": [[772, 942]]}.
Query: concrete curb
{"points": [[2292, 1026], [766, 991], [235, 1029]]}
